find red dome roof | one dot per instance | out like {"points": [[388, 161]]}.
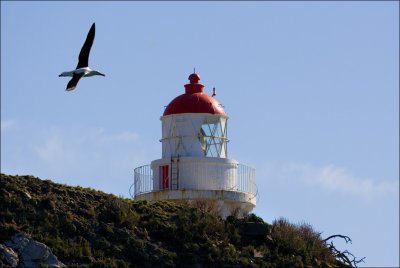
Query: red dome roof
{"points": [[194, 100]]}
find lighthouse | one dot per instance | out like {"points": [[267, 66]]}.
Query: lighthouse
{"points": [[194, 163]]}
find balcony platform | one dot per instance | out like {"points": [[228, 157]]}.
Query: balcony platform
{"points": [[223, 182]]}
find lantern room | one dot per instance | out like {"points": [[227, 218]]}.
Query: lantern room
{"points": [[194, 124]]}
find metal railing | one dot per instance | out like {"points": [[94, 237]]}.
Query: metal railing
{"points": [[143, 180], [246, 179]]}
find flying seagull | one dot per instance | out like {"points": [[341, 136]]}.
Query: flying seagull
{"points": [[82, 69]]}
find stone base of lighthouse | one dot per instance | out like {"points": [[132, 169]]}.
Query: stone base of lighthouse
{"points": [[226, 202]]}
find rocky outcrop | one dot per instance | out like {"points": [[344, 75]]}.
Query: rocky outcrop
{"points": [[8, 257], [23, 251]]}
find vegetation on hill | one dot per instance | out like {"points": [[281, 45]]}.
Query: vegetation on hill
{"points": [[89, 228]]}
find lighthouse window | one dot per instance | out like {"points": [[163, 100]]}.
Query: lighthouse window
{"points": [[213, 138], [203, 141]]}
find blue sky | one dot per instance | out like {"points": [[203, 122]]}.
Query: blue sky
{"points": [[311, 89]]}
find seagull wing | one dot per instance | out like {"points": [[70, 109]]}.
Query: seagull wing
{"points": [[83, 60], [74, 81]]}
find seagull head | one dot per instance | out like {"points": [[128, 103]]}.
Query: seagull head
{"points": [[89, 72], [98, 73]]}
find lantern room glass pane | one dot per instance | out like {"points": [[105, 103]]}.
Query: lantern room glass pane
{"points": [[213, 137]]}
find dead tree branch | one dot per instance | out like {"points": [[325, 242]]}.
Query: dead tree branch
{"points": [[343, 256], [345, 237]]}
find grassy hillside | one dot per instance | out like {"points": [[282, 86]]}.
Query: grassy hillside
{"points": [[89, 228]]}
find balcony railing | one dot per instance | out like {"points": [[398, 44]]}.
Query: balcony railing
{"points": [[245, 181]]}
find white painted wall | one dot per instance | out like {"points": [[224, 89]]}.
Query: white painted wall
{"points": [[205, 173]]}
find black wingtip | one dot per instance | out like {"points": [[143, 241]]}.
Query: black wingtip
{"points": [[93, 27]]}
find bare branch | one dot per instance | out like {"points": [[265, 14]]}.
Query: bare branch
{"points": [[343, 256], [345, 237]]}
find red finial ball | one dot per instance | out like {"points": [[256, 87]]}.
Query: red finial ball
{"points": [[194, 78]]}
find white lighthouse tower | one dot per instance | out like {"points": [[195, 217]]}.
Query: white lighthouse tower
{"points": [[195, 163]]}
